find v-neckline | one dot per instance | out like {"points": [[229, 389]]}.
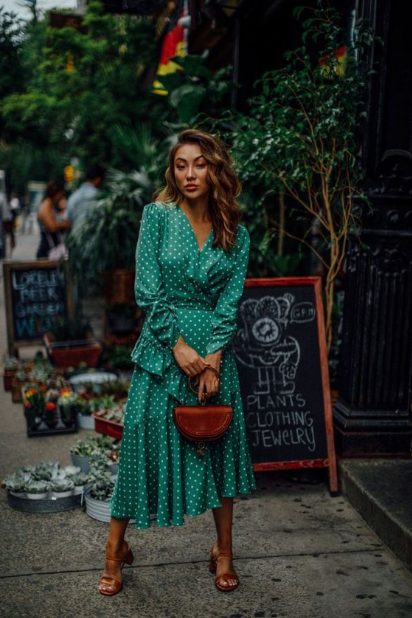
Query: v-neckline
{"points": [[200, 250]]}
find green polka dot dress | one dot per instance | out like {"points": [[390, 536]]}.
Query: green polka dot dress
{"points": [[193, 292]]}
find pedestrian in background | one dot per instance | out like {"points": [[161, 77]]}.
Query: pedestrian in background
{"points": [[84, 199], [191, 261], [7, 223], [50, 216]]}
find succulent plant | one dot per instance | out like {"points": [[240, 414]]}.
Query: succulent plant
{"points": [[80, 479], [71, 471], [15, 482], [11, 363], [90, 446], [37, 487], [101, 480], [45, 470], [61, 485]]}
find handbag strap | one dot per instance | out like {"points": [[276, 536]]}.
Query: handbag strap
{"points": [[190, 378]]}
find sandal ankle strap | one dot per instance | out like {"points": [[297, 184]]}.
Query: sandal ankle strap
{"points": [[226, 554]]}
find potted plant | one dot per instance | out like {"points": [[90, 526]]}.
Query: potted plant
{"points": [[99, 488], [51, 416], [80, 453], [45, 471], [11, 365], [299, 140], [16, 484], [106, 241], [33, 402], [86, 420], [46, 481], [80, 481], [37, 490], [71, 342], [62, 487], [20, 378], [82, 450], [69, 406]]}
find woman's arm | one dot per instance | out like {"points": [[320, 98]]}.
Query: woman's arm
{"points": [[160, 318], [149, 289], [224, 319], [47, 216]]}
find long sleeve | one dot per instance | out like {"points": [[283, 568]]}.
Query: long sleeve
{"points": [[150, 295], [224, 320]]}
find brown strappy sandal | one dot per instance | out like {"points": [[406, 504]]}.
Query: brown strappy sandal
{"points": [[115, 584], [224, 576]]}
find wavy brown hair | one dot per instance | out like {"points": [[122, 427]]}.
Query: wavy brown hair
{"points": [[224, 185]]}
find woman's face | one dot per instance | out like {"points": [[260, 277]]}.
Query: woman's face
{"points": [[191, 171]]}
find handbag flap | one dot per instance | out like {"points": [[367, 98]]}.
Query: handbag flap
{"points": [[203, 422]]}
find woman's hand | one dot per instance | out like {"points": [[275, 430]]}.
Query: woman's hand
{"points": [[188, 359], [208, 381]]}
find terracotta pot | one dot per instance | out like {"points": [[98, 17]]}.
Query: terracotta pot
{"points": [[8, 378], [16, 394], [70, 354], [119, 286]]}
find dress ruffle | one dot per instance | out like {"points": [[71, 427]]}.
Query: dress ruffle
{"points": [[158, 359]]}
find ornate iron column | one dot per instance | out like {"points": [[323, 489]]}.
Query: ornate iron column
{"points": [[373, 415]]}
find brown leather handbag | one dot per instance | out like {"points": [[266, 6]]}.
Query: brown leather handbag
{"points": [[204, 422]]}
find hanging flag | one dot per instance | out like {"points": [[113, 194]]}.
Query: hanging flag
{"points": [[336, 62], [174, 44]]}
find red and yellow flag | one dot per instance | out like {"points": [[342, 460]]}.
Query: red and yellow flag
{"points": [[174, 44]]}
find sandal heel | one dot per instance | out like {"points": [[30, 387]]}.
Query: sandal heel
{"points": [[129, 557], [212, 566]]}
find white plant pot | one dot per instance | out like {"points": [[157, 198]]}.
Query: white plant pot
{"points": [[97, 509], [62, 494], [18, 494], [42, 496], [86, 421]]}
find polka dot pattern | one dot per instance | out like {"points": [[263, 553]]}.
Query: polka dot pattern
{"points": [[182, 289]]}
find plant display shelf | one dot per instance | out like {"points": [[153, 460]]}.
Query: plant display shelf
{"points": [[51, 432], [43, 505], [109, 428], [44, 430], [70, 353]]}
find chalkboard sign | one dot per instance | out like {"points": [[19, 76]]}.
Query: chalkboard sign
{"points": [[281, 355], [37, 293]]}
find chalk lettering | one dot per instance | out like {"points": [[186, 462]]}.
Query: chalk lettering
{"points": [[269, 438]]}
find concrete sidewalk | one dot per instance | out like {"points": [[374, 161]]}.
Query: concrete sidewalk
{"points": [[299, 553]]}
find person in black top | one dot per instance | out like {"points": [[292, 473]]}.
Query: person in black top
{"points": [[51, 228]]}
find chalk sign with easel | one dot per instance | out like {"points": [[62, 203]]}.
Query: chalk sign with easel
{"points": [[37, 294], [281, 354]]}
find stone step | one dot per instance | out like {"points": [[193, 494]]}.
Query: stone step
{"points": [[381, 491]]}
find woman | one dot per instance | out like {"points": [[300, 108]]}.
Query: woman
{"points": [[49, 216], [191, 263]]}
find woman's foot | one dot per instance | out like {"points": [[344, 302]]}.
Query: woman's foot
{"points": [[221, 565], [111, 581]]}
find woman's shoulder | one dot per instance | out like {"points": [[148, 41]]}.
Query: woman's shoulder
{"points": [[159, 207], [242, 235], [156, 211]]}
